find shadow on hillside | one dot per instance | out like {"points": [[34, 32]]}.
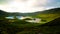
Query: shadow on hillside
{"points": [[55, 22], [22, 27], [52, 27]]}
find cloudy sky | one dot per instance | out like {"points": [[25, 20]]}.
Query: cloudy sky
{"points": [[25, 6]]}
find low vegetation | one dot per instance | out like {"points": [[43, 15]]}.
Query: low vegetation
{"points": [[23, 27], [16, 26]]}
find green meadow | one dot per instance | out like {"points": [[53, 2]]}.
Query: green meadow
{"points": [[47, 17], [16, 26]]}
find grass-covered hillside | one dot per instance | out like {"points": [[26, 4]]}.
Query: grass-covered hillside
{"points": [[8, 26], [50, 23], [48, 15]]}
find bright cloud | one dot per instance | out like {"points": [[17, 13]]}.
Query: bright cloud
{"points": [[24, 6]]}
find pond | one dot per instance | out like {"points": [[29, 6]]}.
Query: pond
{"points": [[12, 17]]}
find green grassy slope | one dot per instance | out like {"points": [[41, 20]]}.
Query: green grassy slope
{"points": [[48, 15], [23, 27]]}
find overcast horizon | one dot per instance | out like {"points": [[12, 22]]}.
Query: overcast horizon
{"points": [[28, 6]]}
